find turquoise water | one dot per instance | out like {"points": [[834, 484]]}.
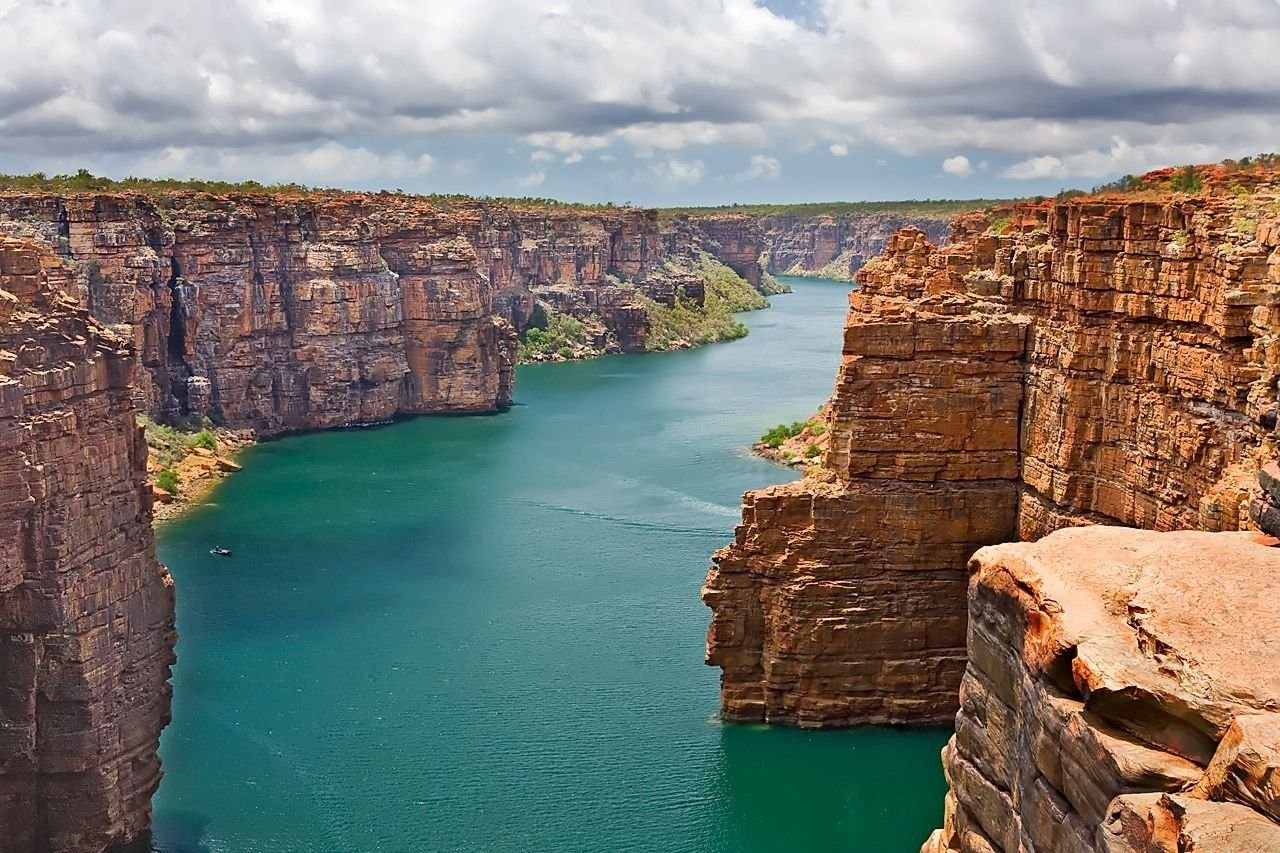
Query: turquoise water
{"points": [[484, 633]]}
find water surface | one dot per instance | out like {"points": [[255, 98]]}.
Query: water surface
{"points": [[484, 633]]}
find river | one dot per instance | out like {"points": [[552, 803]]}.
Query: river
{"points": [[484, 633]]}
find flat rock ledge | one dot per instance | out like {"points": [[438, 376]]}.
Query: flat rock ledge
{"points": [[1122, 694]]}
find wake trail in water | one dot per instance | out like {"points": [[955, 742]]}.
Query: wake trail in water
{"points": [[676, 529]]}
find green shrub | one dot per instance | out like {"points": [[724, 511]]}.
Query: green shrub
{"points": [[558, 334], [1000, 226], [168, 480], [204, 438], [779, 434], [817, 429], [812, 451], [1187, 180]]}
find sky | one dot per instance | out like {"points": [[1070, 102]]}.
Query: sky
{"points": [[654, 102]]}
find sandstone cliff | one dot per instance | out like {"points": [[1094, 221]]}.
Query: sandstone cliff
{"points": [[86, 612], [837, 245], [278, 313], [1121, 695], [1099, 360]]}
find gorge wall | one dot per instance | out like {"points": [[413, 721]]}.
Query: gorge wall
{"points": [[86, 612], [1095, 361], [278, 313], [837, 245]]}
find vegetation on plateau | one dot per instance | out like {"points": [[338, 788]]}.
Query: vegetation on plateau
{"points": [[689, 324], [777, 436], [164, 190], [1184, 179]]}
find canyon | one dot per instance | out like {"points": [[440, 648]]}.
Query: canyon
{"points": [[1093, 378], [262, 314], [837, 245], [275, 313], [1095, 362]]}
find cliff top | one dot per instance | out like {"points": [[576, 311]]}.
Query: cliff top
{"points": [[172, 193], [1149, 633]]}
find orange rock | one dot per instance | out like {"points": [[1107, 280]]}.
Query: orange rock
{"points": [[1103, 674], [1110, 361]]}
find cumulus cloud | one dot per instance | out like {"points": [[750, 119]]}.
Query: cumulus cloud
{"points": [[672, 173], [326, 164], [1063, 89], [957, 165], [533, 179], [761, 166]]}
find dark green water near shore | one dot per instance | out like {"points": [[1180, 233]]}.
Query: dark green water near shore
{"points": [[484, 633]]}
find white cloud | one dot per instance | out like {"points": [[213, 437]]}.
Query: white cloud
{"points": [[540, 156], [673, 174], [958, 165], [1046, 166], [761, 166], [1084, 88], [575, 157], [533, 179], [327, 164]]}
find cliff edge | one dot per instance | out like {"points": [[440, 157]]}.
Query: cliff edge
{"points": [[1121, 695]]}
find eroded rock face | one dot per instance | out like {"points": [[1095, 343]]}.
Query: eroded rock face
{"points": [[1117, 697], [837, 246], [86, 612], [340, 308], [1098, 361]]}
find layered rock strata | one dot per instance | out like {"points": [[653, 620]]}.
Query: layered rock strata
{"points": [[838, 245], [86, 612], [1121, 695], [1098, 361], [277, 313]]}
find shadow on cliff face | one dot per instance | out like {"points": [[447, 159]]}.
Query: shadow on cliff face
{"points": [[757, 786], [176, 832]]}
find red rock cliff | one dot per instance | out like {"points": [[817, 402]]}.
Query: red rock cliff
{"points": [[836, 245], [1099, 361], [86, 612], [279, 313]]}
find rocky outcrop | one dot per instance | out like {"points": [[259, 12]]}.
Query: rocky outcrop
{"points": [[1121, 695], [86, 612], [278, 313], [1264, 508], [837, 245], [733, 239], [1096, 361]]}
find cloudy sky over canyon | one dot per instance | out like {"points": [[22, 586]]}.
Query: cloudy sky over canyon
{"points": [[650, 101]]}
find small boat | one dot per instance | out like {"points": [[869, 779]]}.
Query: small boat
{"points": [[220, 552]]}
